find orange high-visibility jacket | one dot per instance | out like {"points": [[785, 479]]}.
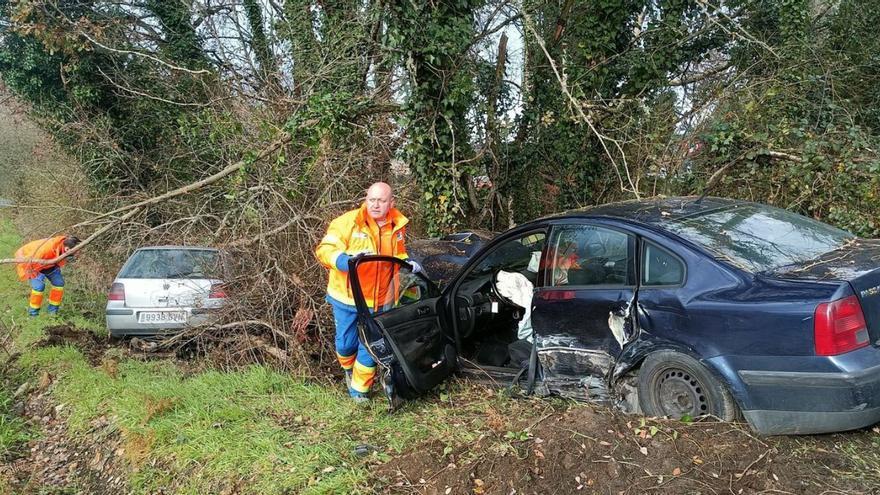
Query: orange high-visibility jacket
{"points": [[355, 232], [41, 249]]}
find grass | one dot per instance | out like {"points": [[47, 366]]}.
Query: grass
{"points": [[254, 430], [13, 432], [214, 428]]}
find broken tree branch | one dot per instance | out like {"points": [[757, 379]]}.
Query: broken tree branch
{"points": [[76, 248], [283, 139], [269, 233], [779, 155]]}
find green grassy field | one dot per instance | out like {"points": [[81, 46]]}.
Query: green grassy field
{"points": [[255, 428]]}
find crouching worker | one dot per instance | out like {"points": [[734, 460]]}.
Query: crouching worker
{"points": [[37, 273], [374, 228]]}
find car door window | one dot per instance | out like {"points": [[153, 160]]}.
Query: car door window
{"points": [[660, 267], [387, 285], [589, 255], [522, 255]]}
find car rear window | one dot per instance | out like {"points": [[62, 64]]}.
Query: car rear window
{"points": [[758, 237], [172, 263]]}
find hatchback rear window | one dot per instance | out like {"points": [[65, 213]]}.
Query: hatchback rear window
{"points": [[760, 238], [172, 263]]}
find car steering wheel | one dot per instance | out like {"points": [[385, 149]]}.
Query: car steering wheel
{"points": [[497, 293]]}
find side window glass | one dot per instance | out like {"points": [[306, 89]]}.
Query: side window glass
{"points": [[387, 285], [660, 267], [586, 255], [522, 255]]}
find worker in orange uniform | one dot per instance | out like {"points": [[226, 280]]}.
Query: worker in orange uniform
{"points": [[377, 227], [37, 273]]}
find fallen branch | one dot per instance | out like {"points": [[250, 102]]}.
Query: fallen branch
{"points": [[740, 476], [76, 248], [261, 344], [246, 323], [140, 54], [683, 81], [269, 233], [779, 155], [283, 139], [716, 176], [193, 333]]}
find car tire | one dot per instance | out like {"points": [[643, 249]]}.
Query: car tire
{"points": [[676, 385]]}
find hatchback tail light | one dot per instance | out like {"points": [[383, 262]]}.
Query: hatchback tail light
{"points": [[117, 292], [217, 292], [839, 326]]}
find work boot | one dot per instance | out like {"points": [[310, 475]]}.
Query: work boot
{"points": [[347, 379], [33, 312]]}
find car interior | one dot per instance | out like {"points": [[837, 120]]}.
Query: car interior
{"points": [[578, 256], [488, 321]]}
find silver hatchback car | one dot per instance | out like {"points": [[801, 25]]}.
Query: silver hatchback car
{"points": [[162, 288]]}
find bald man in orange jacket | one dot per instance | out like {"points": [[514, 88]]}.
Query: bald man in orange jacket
{"points": [[377, 227]]}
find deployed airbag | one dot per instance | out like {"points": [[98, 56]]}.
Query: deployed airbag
{"points": [[517, 289]]}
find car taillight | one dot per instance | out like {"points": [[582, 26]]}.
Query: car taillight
{"points": [[117, 292], [839, 326], [217, 292]]}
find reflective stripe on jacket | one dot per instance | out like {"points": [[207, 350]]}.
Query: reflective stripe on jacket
{"points": [[41, 249], [355, 232]]}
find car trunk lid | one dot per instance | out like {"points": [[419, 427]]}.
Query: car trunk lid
{"points": [[856, 263], [161, 293]]}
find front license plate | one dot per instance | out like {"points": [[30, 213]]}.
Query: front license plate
{"points": [[162, 317]]}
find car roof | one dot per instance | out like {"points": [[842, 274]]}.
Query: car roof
{"points": [[654, 211]]}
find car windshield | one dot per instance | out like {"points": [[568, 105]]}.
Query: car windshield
{"points": [[171, 263], [758, 237]]}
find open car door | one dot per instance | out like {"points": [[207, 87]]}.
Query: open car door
{"points": [[399, 321]]}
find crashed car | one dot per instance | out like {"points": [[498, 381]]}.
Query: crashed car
{"points": [[165, 288], [677, 307]]}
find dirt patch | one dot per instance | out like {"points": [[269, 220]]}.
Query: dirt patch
{"points": [[588, 450], [55, 462], [106, 351], [91, 345]]}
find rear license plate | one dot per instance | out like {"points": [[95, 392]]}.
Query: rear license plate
{"points": [[162, 317]]}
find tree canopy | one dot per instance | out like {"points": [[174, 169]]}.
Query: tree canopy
{"points": [[499, 110]]}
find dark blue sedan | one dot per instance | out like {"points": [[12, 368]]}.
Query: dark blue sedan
{"points": [[676, 307]]}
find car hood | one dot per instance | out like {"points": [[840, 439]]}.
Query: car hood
{"points": [[443, 258], [853, 260]]}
